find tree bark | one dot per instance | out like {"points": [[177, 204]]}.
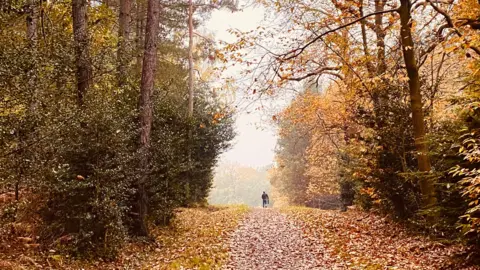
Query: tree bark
{"points": [[381, 66], [32, 36], [364, 40], [380, 34], [140, 30], [146, 110], [190, 58], [421, 144], [31, 20], [123, 43], [82, 57]]}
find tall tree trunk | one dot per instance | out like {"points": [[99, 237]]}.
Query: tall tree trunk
{"points": [[123, 43], [379, 92], [421, 145], [32, 36], [380, 34], [366, 51], [28, 125], [31, 20], [146, 110], [140, 31], [190, 58], [190, 93], [80, 37]]}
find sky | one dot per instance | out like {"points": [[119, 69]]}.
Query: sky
{"points": [[255, 141]]}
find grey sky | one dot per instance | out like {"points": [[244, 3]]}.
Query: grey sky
{"points": [[255, 142]]}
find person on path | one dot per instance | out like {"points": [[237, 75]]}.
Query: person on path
{"points": [[265, 199]]}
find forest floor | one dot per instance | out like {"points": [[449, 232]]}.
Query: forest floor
{"points": [[287, 238], [307, 238], [196, 239]]}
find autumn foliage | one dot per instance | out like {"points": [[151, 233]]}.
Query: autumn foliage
{"points": [[384, 105]]}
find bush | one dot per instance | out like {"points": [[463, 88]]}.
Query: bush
{"points": [[469, 185], [187, 152], [89, 189]]}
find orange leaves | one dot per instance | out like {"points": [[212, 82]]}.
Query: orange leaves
{"points": [[268, 240], [217, 117], [369, 191], [314, 110], [359, 240], [220, 56], [467, 9], [318, 119], [198, 239]]}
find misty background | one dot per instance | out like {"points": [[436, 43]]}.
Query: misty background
{"points": [[242, 172]]}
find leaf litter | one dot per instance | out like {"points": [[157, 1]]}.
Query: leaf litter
{"points": [[359, 240], [287, 238], [267, 239]]}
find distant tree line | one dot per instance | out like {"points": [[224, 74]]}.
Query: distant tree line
{"points": [[239, 184]]}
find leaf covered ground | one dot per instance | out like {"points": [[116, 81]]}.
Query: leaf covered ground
{"points": [[359, 240], [267, 239], [289, 238], [197, 239]]}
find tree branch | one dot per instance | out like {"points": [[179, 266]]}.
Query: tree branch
{"points": [[296, 52], [319, 71], [449, 24]]}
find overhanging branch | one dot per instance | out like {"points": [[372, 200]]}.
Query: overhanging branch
{"points": [[296, 52], [449, 24], [319, 71]]}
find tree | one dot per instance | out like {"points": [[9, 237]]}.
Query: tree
{"points": [[146, 110], [421, 144], [139, 33], [124, 19], [192, 7], [26, 132], [31, 20], [82, 55], [190, 58]]}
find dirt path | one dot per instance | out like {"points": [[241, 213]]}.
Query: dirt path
{"points": [[266, 239]]}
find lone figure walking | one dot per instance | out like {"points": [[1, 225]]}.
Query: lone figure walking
{"points": [[265, 199]]}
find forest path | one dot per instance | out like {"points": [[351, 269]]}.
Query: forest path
{"points": [[267, 239], [305, 238]]}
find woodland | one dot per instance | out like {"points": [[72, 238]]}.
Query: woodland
{"points": [[99, 132], [113, 118], [387, 114]]}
